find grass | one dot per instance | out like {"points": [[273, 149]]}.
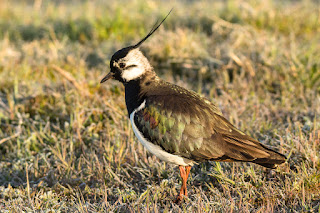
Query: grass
{"points": [[65, 140]]}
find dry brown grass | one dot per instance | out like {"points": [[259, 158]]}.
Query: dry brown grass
{"points": [[66, 143]]}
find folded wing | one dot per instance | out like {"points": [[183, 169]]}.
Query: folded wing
{"points": [[185, 124]]}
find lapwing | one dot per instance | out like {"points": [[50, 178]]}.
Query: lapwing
{"points": [[178, 125]]}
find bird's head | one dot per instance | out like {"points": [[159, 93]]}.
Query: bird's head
{"points": [[129, 63]]}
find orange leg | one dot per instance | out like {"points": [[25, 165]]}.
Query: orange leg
{"points": [[188, 168], [184, 173]]}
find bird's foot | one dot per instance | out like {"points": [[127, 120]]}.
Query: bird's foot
{"points": [[183, 194], [179, 199]]}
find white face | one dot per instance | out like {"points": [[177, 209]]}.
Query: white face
{"points": [[135, 65]]}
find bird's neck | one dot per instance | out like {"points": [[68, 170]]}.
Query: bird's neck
{"points": [[134, 94]]}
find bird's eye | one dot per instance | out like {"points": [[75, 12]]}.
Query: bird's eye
{"points": [[122, 65]]}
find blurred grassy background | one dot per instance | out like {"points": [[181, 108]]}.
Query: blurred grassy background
{"points": [[66, 143]]}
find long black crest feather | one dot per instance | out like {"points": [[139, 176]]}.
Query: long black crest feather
{"points": [[153, 29]]}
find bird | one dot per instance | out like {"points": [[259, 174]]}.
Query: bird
{"points": [[178, 125]]}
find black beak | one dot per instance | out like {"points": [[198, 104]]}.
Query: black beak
{"points": [[107, 77]]}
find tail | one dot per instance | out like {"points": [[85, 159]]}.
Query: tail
{"points": [[246, 149], [272, 161]]}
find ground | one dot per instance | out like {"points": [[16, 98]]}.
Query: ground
{"points": [[66, 142]]}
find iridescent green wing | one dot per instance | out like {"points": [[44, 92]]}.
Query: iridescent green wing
{"points": [[177, 120], [160, 126], [183, 123]]}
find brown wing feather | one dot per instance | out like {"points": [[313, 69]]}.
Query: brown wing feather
{"points": [[206, 134]]}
